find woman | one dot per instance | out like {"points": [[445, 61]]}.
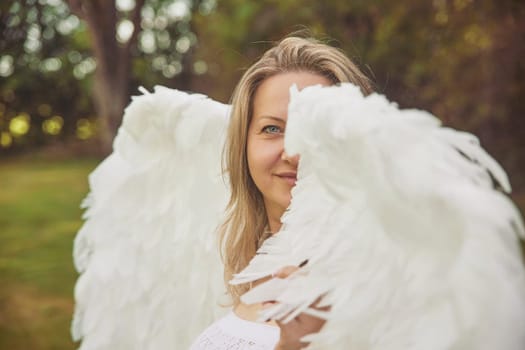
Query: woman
{"points": [[431, 258], [262, 175]]}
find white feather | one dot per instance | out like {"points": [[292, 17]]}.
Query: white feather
{"points": [[405, 235], [151, 275]]}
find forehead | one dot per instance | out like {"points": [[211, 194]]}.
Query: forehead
{"points": [[273, 94]]}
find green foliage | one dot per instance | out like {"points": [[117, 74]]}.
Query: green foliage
{"points": [[44, 44], [462, 60], [47, 58]]}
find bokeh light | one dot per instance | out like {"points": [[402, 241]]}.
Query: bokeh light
{"points": [[163, 39], [52, 64], [147, 41], [20, 125], [124, 30], [6, 65], [476, 36], [5, 139], [33, 43], [85, 129], [53, 125], [200, 67], [160, 22], [125, 5], [74, 56], [84, 68], [206, 7], [68, 25], [178, 10], [183, 44], [172, 69]]}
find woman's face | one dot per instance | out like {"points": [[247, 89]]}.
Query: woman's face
{"points": [[272, 170]]}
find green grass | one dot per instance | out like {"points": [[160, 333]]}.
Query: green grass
{"points": [[39, 217]]}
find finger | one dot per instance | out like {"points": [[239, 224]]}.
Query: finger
{"points": [[285, 271], [268, 303]]}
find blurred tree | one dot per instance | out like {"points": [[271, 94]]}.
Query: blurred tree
{"points": [[112, 75], [37, 46], [460, 59], [102, 49], [121, 31]]}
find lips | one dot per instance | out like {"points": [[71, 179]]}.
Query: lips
{"points": [[290, 177]]}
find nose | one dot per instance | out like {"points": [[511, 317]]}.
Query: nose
{"points": [[293, 160]]}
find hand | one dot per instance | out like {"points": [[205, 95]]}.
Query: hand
{"points": [[303, 324]]}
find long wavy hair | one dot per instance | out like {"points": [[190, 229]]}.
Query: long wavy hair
{"points": [[246, 223]]}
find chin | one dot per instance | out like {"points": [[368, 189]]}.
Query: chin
{"points": [[285, 203]]}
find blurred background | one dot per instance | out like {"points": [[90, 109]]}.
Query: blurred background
{"points": [[68, 69]]}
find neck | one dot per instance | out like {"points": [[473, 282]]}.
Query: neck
{"points": [[275, 225], [274, 217]]}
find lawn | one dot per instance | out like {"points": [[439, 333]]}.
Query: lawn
{"points": [[39, 216]]}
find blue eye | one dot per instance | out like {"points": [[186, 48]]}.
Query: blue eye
{"points": [[271, 129]]}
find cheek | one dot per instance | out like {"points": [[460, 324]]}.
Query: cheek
{"points": [[262, 156]]}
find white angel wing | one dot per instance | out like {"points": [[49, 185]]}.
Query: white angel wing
{"points": [[151, 275], [405, 233]]}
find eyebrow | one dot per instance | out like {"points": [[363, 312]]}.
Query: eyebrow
{"points": [[271, 117]]}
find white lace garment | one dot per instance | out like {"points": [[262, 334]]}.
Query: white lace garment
{"points": [[233, 333]]}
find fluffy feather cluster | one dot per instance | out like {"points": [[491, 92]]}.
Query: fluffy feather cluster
{"points": [[406, 233], [151, 275], [403, 224]]}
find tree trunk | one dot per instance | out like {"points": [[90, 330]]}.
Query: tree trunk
{"points": [[112, 74]]}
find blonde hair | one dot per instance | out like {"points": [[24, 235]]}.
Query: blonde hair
{"points": [[245, 226]]}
